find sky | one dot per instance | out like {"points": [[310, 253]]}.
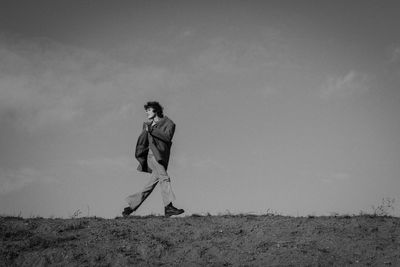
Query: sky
{"points": [[289, 107]]}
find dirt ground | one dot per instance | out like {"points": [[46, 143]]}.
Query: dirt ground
{"points": [[238, 240]]}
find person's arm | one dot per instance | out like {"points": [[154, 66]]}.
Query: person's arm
{"points": [[165, 135]]}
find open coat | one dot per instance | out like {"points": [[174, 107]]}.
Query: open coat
{"points": [[158, 139]]}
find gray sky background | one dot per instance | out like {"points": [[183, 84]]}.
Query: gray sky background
{"points": [[290, 106]]}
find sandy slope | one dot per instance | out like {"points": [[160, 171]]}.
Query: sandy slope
{"points": [[243, 240]]}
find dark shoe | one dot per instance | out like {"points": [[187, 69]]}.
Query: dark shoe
{"points": [[171, 210], [127, 211]]}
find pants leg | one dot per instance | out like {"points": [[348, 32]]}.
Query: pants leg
{"points": [[138, 198], [162, 176], [158, 174]]}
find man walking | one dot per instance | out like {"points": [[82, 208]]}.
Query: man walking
{"points": [[152, 151]]}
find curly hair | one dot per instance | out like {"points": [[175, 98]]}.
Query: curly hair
{"points": [[157, 108]]}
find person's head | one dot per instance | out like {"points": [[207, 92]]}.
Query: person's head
{"points": [[153, 109]]}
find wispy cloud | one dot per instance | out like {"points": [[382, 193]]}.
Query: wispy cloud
{"points": [[106, 162], [199, 164], [108, 165], [44, 84], [335, 177], [395, 54], [326, 176], [235, 57], [394, 62], [347, 85], [12, 180]]}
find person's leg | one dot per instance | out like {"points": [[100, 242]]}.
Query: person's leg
{"points": [[158, 174], [167, 194], [137, 199], [166, 189]]}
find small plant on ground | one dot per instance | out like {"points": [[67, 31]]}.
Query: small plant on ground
{"points": [[386, 208], [76, 214]]}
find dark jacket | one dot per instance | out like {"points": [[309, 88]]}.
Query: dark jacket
{"points": [[159, 140]]}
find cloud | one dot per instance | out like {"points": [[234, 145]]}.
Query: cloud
{"points": [[344, 86], [106, 163], [224, 56], [188, 32], [395, 55], [199, 164], [15, 179], [110, 166], [394, 63], [335, 177], [45, 85]]}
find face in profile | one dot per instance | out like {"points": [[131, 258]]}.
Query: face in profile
{"points": [[150, 113]]}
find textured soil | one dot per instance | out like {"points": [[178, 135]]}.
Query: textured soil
{"points": [[240, 240]]}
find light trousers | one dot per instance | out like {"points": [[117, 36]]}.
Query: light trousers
{"points": [[158, 175]]}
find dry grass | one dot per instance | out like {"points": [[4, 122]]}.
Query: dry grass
{"points": [[202, 240]]}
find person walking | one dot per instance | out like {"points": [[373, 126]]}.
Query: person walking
{"points": [[153, 151]]}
